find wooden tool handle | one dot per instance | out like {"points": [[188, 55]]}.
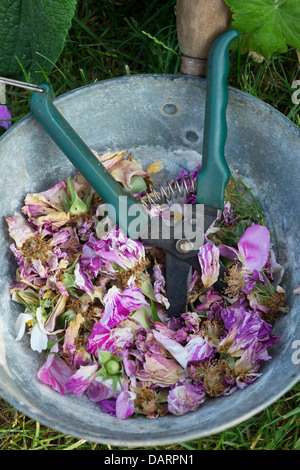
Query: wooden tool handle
{"points": [[199, 23]]}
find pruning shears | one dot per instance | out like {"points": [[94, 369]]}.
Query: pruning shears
{"points": [[128, 213]]}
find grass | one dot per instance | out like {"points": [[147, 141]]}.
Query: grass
{"points": [[115, 38], [276, 428]]}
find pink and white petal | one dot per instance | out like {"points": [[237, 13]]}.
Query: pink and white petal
{"points": [[178, 351], [254, 247], [81, 379], [19, 230], [125, 404], [55, 372], [209, 261]]}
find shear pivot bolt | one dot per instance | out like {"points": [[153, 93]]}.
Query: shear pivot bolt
{"points": [[184, 246]]}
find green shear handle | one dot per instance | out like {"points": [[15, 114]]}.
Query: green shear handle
{"points": [[121, 207], [214, 173]]}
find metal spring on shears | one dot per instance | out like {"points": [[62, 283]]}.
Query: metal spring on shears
{"points": [[171, 191]]}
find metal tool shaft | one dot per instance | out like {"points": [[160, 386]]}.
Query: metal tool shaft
{"points": [[19, 84]]}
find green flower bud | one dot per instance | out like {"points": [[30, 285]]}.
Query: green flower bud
{"points": [[113, 367]]}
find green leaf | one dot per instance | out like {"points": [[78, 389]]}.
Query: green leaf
{"points": [[32, 33], [266, 26], [154, 312]]}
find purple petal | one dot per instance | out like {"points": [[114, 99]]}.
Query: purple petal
{"points": [[228, 252], [55, 372], [100, 338], [125, 404], [5, 117], [244, 327], [100, 389], [254, 247], [108, 406]]}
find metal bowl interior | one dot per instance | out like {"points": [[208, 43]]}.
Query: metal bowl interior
{"points": [[155, 117]]}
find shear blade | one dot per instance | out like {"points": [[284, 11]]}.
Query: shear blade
{"points": [[178, 275]]}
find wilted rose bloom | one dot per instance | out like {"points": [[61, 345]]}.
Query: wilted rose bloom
{"points": [[243, 327], [184, 399], [47, 257], [77, 354], [115, 248], [198, 349], [159, 286], [119, 304], [247, 366], [158, 369], [46, 209], [113, 340], [211, 301], [122, 169]]}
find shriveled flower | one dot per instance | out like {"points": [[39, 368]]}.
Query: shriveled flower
{"points": [[76, 353], [41, 259], [19, 229], [198, 349], [46, 209], [103, 338], [124, 170], [159, 286], [246, 368], [119, 304], [158, 369], [244, 327], [184, 399], [102, 389], [111, 253]]}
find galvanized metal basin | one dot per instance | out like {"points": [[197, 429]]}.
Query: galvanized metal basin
{"points": [[156, 117]]}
